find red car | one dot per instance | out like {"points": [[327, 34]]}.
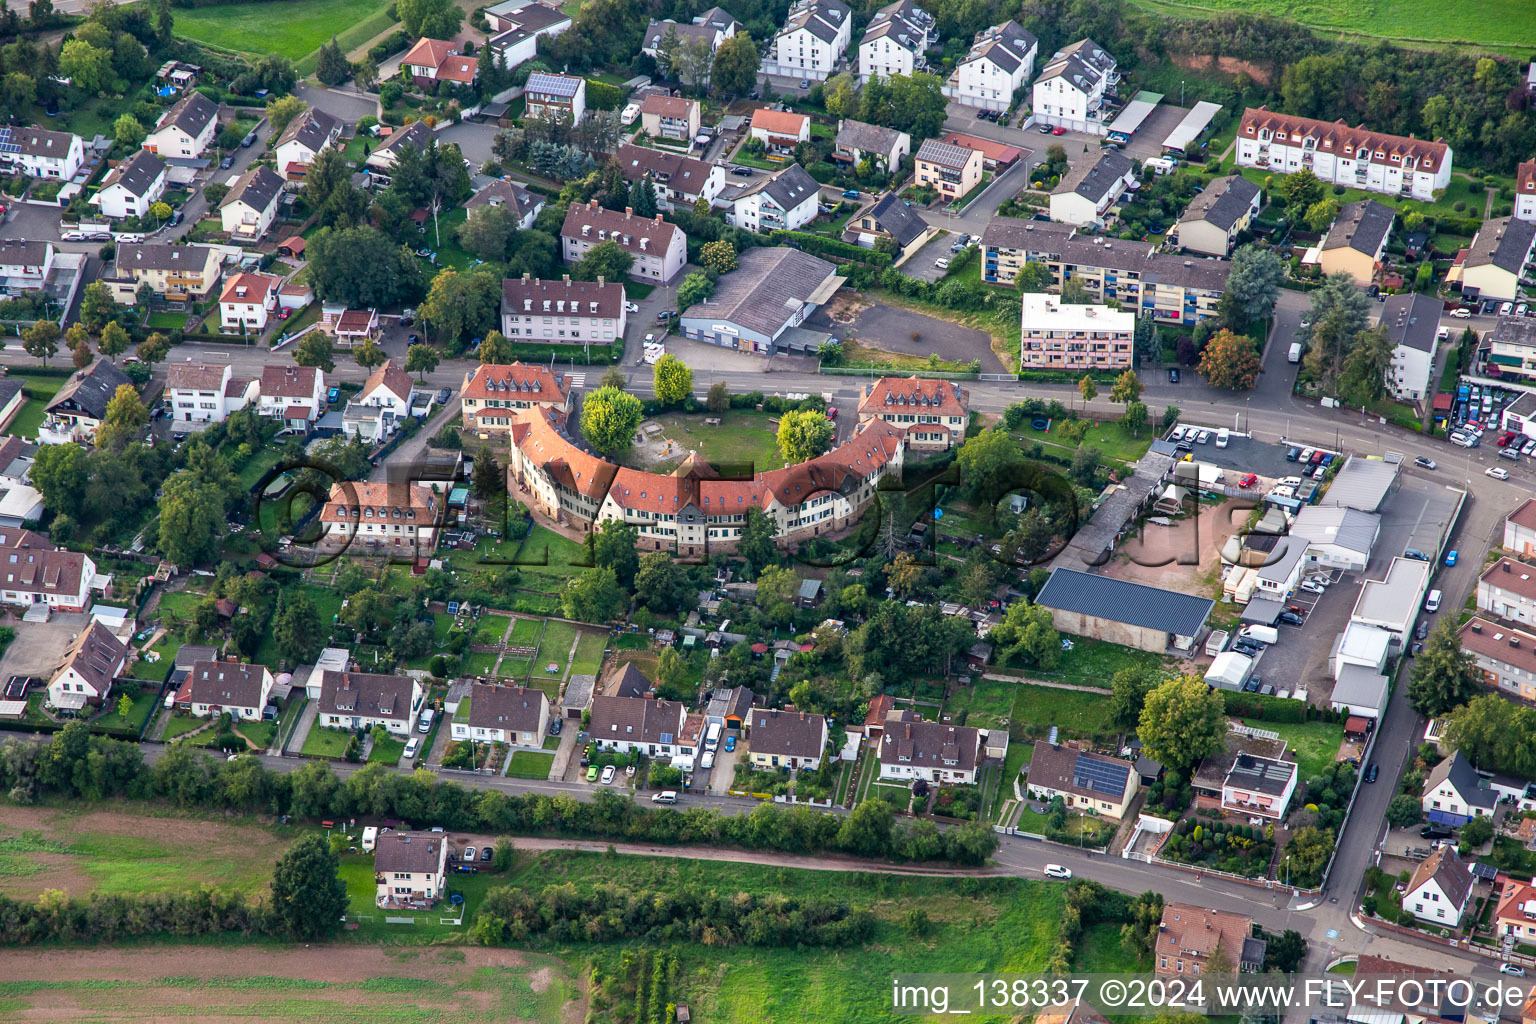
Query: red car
{"points": [[1505, 438], [1248, 480], [1058, 130], [832, 413]]}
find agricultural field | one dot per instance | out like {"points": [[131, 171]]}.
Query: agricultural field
{"points": [[342, 984], [117, 852], [1496, 24], [288, 28]]}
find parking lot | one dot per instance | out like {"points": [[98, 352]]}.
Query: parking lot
{"points": [[1244, 455], [921, 264], [900, 330]]}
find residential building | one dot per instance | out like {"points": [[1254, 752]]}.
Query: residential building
{"points": [[1077, 1011], [676, 179], [1512, 348], [525, 205], [362, 700], [1411, 320], [1497, 261], [1169, 288], [891, 218], [176, 273], [369, 516], [787, 739], [432, 61], [564, 482], [77, 409], [1091, 187], [492, 394], [410, 868], [1195, 941], [563, 312], [131, 186], [293, 394], [214, 687], [515, 715], [1074, 336], [39, 153], [1440, 888], [1132, 614], [1356, 241], [416, 134], [389, 388], [659, 249], [815, 36], [248, 302], [1070, 90], [780, 131], [1507, 588], [248, 209], [884, 147], [1359, 691], [895, 41], [1215, 218], [1085, 781], [759, 306], [518, 25], [1393, 603], [178, 75], [714, 26], [911, 748], [1261, 786], [1341, 155], [186, 130], [1525, 191], [1505, 654], [669, 117], [92, 662], [1001, 60], [786, 200], [20, 502], [24, 265], [933, 413], [308, 135], [1454, 793], [1336, 537], [205, 393], [1520, 529], [1515, 915], [12, 399], [1283, 560], [555, 97], [951, 171], [995, 156], [651, 727], [33, 572]]}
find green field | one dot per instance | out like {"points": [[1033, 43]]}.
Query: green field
{"points": [[1095, 662], [1496, 23], [288, 28], [589, 654], [554, 649], [1044, 706], [560, 552], [490, 629]]}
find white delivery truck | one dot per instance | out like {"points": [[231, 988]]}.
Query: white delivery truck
{"points": [[1295, 354], [712, 738]]}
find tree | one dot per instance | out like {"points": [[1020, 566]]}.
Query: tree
{"points": [[489, 231], [332, 66], [368, 355], [1285, 952], [1126, 388], [694, 289], [1444, 675], [124, 418], [642, 197], [192, 510], [489, 480], [736, 66], [1254, 282], [114, 340], [128, 132], [1299, 190], [719, 256], [660, 583], [593, 596], [460, 304], [1128, 693], [613, 546], [1309, 850], [672, 380], [314, 349], [804, 434], [1088, 389], [1182, 721], [609, 418], [80, 353], [987, 462], [1135, 417], [88, 67], [1033, 277], [41, 340], [1363, 377], [1404, 810], [718, 400], [360, 267], [97, 306], [438, 19], [757, 544], [1338, 314], [154, 348], [912, 103], [1473, 834], [605, 260], [281, 110], [1027, 630], [297, 629], [422, 359], [1321, 213], [308, 896], [1229, 361], [666, 51], [692, 61], [840, 97]]}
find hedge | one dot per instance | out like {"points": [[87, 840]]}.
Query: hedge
{"points": [[531, 353], [825, 246], [1273, 709], [389, 46], [602, 96]]}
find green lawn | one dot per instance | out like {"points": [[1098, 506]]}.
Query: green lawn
{"points": [[143, 707], [288, 28], [547, 553], [259, 733], [323, 742], [527, 764], [28, 418], [742, 444], [388, 752], [443, 239], [1095, 662], [180, 725], [1074, 710], [554, 648], [589, 654], [985, 702], [1313, 744], [479, 664], [490, 629], [1101, 951]]}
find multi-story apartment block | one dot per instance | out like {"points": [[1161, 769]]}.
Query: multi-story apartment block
{"points": [[1504, 654], [379, 515], [1507, 589], [1341, 155], [1169, 288], [659, 249], [563, 312], [205, 393], [895, 41], [814, 38], [787, 200], [176, 272], [676, 179], [1070, 90], [1411, 321], [934, 413], [492, 395], [951, 171], [999, 63], [1060, 335], [39, 153]]}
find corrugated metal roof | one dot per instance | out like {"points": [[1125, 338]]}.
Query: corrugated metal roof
{"points": [[1121, 601]]}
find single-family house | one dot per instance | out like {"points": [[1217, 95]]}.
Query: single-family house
{"points": [[659, 248], [787, 739], [1194, 941], [131, 186], [362, 700], [205, 393], [1085, 781], [1357, 240], [1497, 261], [1507, 589], [951, 171], [214, 687], [1454, 793], [1440, 888], [891, 218], [1260, 786], [92, 662], [309, 134], [1213, 220], [417, 134], [1515, 912], [669, 117], [435, 60], [34, 572], [652, 727], [786, 200], [714, 27], [523, 204], [293, 394], [1001, 60], [1091, 187], [518, 25], [77, 409], [1525, 190], [186, 130], [780, 131], [815, 36], [24, 265], [516, 715], [555, 97], [248, 209], [248, 302], [397, 516], [884, 147], [410, 868], [39, 153], [932, 751]]}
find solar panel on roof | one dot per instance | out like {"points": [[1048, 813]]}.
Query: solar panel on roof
{"points": [[1099, 776], [6, 145]]}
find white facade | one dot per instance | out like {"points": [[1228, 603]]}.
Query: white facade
{"points": [[1525, 191], [1508, 590], [1429, 902], [247, 303], [130, 195], [895, 41], [788, 202], [40, 153], [1000, 62], [813, 40], [186, 130], [200, 393], [410, 867], [24, 266], [562, 312], [1070, 90], [286, 390], [1340, 155]]}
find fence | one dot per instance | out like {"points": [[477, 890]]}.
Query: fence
{"points": [[873, 372]]}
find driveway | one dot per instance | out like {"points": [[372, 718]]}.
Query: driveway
{"points": [[402, 462], [39, 646], [898, 330], [473, 139], [1148, 140], [347, 104]]}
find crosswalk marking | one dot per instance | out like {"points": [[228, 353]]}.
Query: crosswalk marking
{"points": [[578, 380]]}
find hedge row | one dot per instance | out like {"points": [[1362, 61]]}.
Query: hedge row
{"points": [[825, 246]]}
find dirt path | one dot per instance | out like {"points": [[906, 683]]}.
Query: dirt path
{"points": [[777, 860], [999, 677]]}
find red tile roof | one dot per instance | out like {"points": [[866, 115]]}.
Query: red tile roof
{"points": [[348, 500], [289, 381], [1525, 515], [458, 69], [780, 122], [390, 376], [680, 107], [995, 152], [256, 288], [1525, 176], [427, 53], [531, 383], [1339, 139], [566, 464], [915, 394]]}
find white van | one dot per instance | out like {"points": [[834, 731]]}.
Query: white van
{"points": [[425, 723], [1221, 437], [1432, 602], [666, 796], [1263, 634], [712, 738]]}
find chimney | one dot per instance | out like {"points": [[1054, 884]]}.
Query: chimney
{"points": [[600, 281], [1504, 565], [527, 278], [629, 211]]}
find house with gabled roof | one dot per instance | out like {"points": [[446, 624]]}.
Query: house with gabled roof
{"points": [[1070, 90], [555, 97], [203, 393], [40, 153], [131, 186], [659, 248], [213, 687], [436, 60], [248, 208], [309, 134], [896, 41], [677, 180], [933, 413], [25, 265], [1195, 941], [780, 131], [651, 727], [1455, 793], [1091, 187], [1440, 888], [1497, 261], [410, 869], [911, 748], [35, 572], [1212, 221], [856, 140], [247, 303], [714, 27], [525, 205], [186, 130], [493, 393], [890, 217], [759, 306], [174, 272], [669, 117], [76, 410], [92, 662], [1356, 241], [417, 134], [293, 394], [815, 36], [379, 515], [362, 700], [518, 25], [786, 200], [795, 740], [563, 312], [1341, 155], [492, 713], [1001, 60], [1085, 781]]}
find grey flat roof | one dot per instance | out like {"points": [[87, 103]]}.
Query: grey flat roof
{"points": [[1361, 686], [1362, 484], [1122, 601], [765, 289], [1194, 123]]}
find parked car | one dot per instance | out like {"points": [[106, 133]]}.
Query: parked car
{"points": [[333, 396], [1173, 375], [1451, 556], [1058, 130], [1512, 969], [486, 853], [665, 315], [1434, 832], [1312, 588], [1203, 437], [742, 172], [730, 744], [592, 773], [851, 193], [942, 263], [1421, 631], [1497, 472], [1291, 618], [413, 746], [1045, 129], [1056, 870], [630, 307], [555, 725], [1461, 313], [1512, 454], [1415, 650], [1372, 772], [1291, 453], [608, 774], [469, 853], [1424, 463], [1247, 480], [443, 395]]}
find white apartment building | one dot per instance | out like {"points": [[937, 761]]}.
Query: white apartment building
{"points": [[1412, 321], [1341, 155], [204, 393], [516, 715], [247, 303], [1070, 90], [676, 179], [786, 201], [814, 38], [24, 265], [131, 186], [381, 515], [1525, 191], [248, 209], [563, 312], [40, 153], [186, 130], [1074, 336], [895, 41], [293, 394], [1000, 61], [1508, 589]]}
